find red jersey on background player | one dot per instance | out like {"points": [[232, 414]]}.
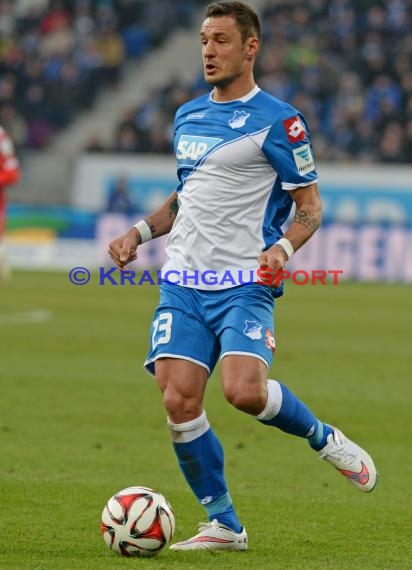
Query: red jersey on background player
{"points": [[9, 174]]}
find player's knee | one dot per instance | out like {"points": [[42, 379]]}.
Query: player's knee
{"points": [[173, 401], [180, 409], [241, 402], [182, 389], [245, 395], [180, 406]]}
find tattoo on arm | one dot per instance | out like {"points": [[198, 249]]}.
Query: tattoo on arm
{"points": [[307, 219], [173, 208]]}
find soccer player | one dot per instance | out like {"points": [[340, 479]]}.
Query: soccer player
{"points": [[9, 174], [243, 159]]}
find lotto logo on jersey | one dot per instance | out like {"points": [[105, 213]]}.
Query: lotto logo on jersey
{"points": [[294, 129], [190, 148]]}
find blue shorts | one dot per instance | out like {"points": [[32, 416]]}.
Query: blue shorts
{"points": [[202, 326]]}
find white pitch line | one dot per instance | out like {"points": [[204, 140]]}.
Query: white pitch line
{"points": [[26, 317]]}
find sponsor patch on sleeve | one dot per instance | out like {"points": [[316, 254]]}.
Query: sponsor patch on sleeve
{"points": [[304, 159], [295, 129]]}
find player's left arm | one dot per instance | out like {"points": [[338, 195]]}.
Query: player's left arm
{"points": [[307, 219], [308, 215], [10, 170]]}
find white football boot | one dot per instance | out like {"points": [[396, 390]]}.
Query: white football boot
{"points": [[351, 460], [214, 536]]}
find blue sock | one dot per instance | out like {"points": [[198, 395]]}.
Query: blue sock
{"points": [[286, 412], [318, 440], [201, 460]]}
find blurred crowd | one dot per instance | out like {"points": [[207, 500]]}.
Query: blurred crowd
{"points": [[345, 64], [57, 55]]}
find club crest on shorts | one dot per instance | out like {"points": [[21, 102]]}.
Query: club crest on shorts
{"points": [[253, 330], [270, 340]]}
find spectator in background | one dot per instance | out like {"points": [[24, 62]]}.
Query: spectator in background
{"points": [[95, 144], [9, 174], [391, 144], [128, 137], [119, 201], [110, 47], [57, 55]]}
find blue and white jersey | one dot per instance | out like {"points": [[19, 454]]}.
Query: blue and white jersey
{"points": [[235, 160]]}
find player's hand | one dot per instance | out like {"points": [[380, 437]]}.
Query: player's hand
{"points": [[272, 263], [123, 250]]}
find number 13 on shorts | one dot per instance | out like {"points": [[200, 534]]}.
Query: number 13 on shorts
{"points": [[162, 329]]}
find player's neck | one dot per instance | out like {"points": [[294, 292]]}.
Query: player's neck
{"points": [[235, 90]]}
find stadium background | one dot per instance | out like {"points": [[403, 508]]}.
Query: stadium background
{"points": [[88, 90]]}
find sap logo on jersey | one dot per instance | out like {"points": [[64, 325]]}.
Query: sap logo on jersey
{"points": [[190, 148]]}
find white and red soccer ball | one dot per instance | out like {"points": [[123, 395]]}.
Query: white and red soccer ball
{"points": [[137, 521]]}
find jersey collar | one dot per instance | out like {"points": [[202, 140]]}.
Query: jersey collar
{"points": [[243, 99]]}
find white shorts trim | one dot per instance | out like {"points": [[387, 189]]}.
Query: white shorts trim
{"points": [[246, 354], [178, 356]]}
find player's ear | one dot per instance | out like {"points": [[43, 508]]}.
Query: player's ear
{"points": [[252, 47]]}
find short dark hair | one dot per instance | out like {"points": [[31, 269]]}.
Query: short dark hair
{"points": [[246, 18]]}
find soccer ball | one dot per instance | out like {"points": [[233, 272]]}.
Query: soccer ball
{"points": [[137, 521]]}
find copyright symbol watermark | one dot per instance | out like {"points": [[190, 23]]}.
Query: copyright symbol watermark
{"points": [[79, 275]]}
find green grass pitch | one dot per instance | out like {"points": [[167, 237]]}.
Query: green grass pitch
{"points": [[80, 420]]}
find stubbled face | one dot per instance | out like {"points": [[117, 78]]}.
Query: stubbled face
{"points": [[225, 56]]}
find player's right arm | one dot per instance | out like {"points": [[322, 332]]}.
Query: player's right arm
{"points": [[123, 250]]}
